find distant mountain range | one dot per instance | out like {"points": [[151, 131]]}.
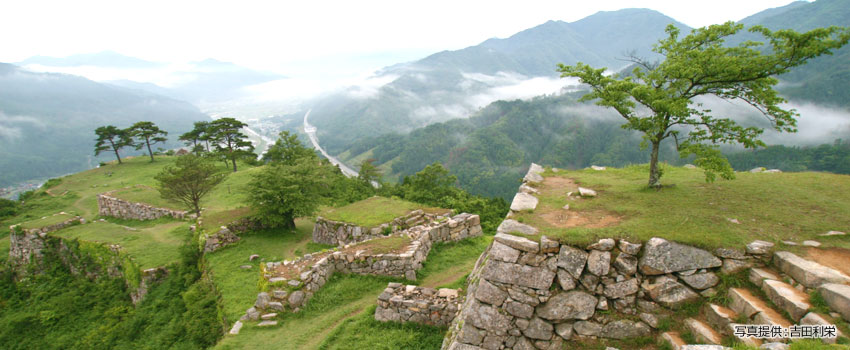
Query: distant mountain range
{"points": [[47, 121]]}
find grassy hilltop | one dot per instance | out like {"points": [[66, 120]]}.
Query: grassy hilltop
{"points": [[773, 207]]}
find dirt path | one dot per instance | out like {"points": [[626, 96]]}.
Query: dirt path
{"points": [[318, 338], [836, 258], [444, 279]]}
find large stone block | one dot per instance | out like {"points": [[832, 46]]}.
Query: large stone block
{"points": [[807, 272], [837, 296], [662, 256], [572, 305]]}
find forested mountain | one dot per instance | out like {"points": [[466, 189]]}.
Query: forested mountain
{"points": [[452, 84], [47, 120]]}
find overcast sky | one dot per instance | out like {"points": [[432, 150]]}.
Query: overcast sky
{"points": [[279, 35]]}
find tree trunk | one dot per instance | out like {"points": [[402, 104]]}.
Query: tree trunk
{"points": [[290, 223], [654, 175], [114, 149], [233, 160], [148, 142]]}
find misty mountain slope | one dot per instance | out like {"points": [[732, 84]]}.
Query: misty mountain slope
{"points": [[453, 84], [47, 121], [101, 59], [825, 79]]}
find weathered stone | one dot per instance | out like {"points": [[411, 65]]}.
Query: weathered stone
{"points": [[296, 299], [565, 280], [774, 346], [245, 267], [649, 319], [671, 294], [598, 262], [253, 257], [267, 324], [236, 328], [720, 317], [783, 295], [276, 305], [516, 242], [470, 335], [602, 304], [528, 189], [268, 316], [701, 280], [628, 247], [539, 329], [728, 253], [662, 256], [524, 201], [251, 315], [745, 303], [587, 328], [531, 259], [623, 329], [523, 275], [626, 264], [586, 192], [522, 297], [837, 296], [807, 272], [486, 317], [589, 281], [501, 252], [731, 266], [509, 226], [548, 245], [604, 244], [812, 318], [703, 332], [572, 260], [622, 289], [758, 275], [833, 233], [519, 309], [759, 247], [572, 305], [280, 294], [675, 341], [262, 300], [564, 330], [489, 293]]}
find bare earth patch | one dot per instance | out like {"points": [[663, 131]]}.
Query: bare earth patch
{"points": [[836, 258], [562, 218], [554, 184]]}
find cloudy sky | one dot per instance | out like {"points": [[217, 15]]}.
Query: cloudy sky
{"points": [[285, 35]]}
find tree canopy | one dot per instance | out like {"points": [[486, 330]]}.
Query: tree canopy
{"points": [[111, 138], [229, 140], [281, 192], [288, 150], [192, 179], [148, 134], [658, 99], [200, 133]]}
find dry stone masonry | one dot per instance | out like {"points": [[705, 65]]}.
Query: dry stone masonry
{"points": [[339, 233], [294, 289], [122, 209], [407, 303]]}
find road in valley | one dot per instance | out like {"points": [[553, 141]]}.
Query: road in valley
{"points": [[311, 132]]}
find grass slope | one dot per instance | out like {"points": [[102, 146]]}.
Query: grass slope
{"points": [[372, 211], [772, 207]]}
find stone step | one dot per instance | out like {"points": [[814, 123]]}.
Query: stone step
{"points": [[720, 317], [813, 318], [807, 272], [759, 274], [674, 339], [703, 332], [837, 297], [745, 303], [787, 298]]}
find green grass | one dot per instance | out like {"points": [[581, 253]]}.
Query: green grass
{"points": [[372, 212], [152, 246], [448, 263], [385, 245], [46, 221], [771, 207], [364, 332], [147, 195], [212, 221], [239, 287]]}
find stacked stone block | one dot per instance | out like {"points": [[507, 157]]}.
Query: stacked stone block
{"points": [[341, 233], [406, 303], [119, 208]]}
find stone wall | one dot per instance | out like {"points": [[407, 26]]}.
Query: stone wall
{"points": [[350, 260], [406, 303], [119, 208], [525, 294], [341, 233]]}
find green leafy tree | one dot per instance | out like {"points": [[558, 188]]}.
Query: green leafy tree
{"points": [[188, 182], [657, 99], [110, 138], [196, 136], [279, 193], [148, 134], [230, 140], [288, 149], [8, 207], [369, 173], [431, 185]]}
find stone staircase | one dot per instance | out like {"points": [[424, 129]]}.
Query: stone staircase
{"points": [[781, 298]]}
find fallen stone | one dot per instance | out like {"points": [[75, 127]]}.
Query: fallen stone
{"points": [[516, 242], [267, 324], [671, 294], [628, 247], [701, 280], [662, 256], [268, 316], [245, 267], [772, 171], [524, 201], [787, 298], [236, 328], [586, 192], [810, 243], [572, 260], [509, 226], [837, 297], [807, 272], [587, 328], [757, 170], [598, 262], [703, 332], [734, 221], [789, 243], [598, 168], [604, 244], [624, 329], [759, 247], [572, 305], [502, 252], [833, 233], [253, 257], [689, 166]]}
